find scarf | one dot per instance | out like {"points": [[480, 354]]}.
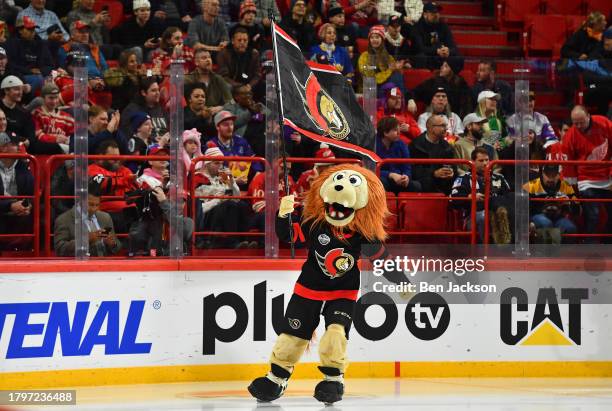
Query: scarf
{"points": [[395, 42]]}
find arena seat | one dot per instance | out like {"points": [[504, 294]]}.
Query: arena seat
{"points": [[544, 31], [393, 219], [414, 77], [516, 10], [362, 45], [603, 6], [564, 7], [423, 215], [469, 76], [573, 23]]}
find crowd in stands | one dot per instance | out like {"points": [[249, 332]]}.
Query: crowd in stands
{"points": [[224, 46]]}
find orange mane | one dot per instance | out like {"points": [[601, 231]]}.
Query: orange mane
{"points": [[369, 221]]}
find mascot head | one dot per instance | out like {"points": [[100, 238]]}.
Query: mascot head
{"points": [[349, 197]]}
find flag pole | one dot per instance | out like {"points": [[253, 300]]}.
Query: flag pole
{"points": [[282, 135]]}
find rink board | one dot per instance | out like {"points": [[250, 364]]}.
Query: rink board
{"points": [[118, 322]]}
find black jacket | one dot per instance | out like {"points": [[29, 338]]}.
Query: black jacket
{"points": [[25, 185], [434, 36], [303, 33], [23, 55], [424, 173], [462, 187], [579, 43]]}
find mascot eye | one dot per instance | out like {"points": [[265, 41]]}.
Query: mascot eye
{"points": [[338, 176], [355, 180]]}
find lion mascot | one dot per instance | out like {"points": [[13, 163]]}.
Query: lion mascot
{"points": [[344, 211]]}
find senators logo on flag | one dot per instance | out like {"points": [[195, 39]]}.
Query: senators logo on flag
{"points": [[317, 101]]}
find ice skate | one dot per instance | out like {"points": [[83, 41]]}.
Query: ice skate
{"points": [[331, 389]]}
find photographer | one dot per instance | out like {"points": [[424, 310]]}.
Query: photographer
{"points": [[102, 238], [146, 233]]}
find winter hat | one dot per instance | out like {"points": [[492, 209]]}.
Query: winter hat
{"points": [[247, 6], [322, 29], [212, 152], [324, 152], [293, 2], [139, 4], [137, 119], [455, 63], [378, 29], [223, 115], [334, 11]]}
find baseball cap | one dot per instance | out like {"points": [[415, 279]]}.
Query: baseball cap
{"points": [[431, 7], [394, 92], [324, 152], [137, 119], [223, 115], [487, 94], [439, 89], [25, 21], [54, 28], [49, 88], [2, 52], [79, 25], [473, 118], [11, 81], [157, 150], [395, 20]]}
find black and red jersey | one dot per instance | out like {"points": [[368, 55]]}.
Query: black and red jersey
{"points": [[330, 272]]}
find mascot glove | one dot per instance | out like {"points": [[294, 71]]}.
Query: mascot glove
{"points": [[287, 204]]}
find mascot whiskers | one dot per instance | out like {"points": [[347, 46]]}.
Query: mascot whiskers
{"points": [[344, 211]]}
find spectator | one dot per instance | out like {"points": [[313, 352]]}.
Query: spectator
{"points": [[431, 144], [174, 12], [3, 63], [98, 26], [394, 107], [196, 114], [217, 214], [52, 125], [564, 127], [334, 54], [146, 233], [297, 26], [250, 117], [544, 131], [435, 36], [28, 55], [138, 144], [494, 129], [457, 89], [472, 138], [62, 184], [499, 200], [15, 180], [192, 148], [413, 10], [140, 33], [545, 216], [246, 20], [8, 12], [19, 120], [148, 101], [439, 105], [101, 234], [79, 42], [395, 177], [598, 75], [44, 19], [96, 93], [257, 189], [123, 81], [590, 138], [231, 144], [238, 64], [362, 13], [403, 49], [485, 80], [117, 180], [346, 34], [208, 31], [102, 129], [265, 9], [171, 48], [536, 152], [376, 62], [584, 43], [217, 90], [306, 178]]}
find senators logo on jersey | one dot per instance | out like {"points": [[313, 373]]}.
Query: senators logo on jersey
{"points": [[335, 263]]}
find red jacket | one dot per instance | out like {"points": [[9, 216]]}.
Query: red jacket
{"points": [[257, 189], [594, 145], [48, 124], [116, 183], [403, 117]]}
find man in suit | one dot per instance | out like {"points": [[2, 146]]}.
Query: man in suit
{"points": [[102, 238]]}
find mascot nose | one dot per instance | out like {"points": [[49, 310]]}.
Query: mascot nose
{"points": [[338, 187]]}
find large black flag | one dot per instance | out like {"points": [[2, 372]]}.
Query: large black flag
{"points": [[317, 101]]}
